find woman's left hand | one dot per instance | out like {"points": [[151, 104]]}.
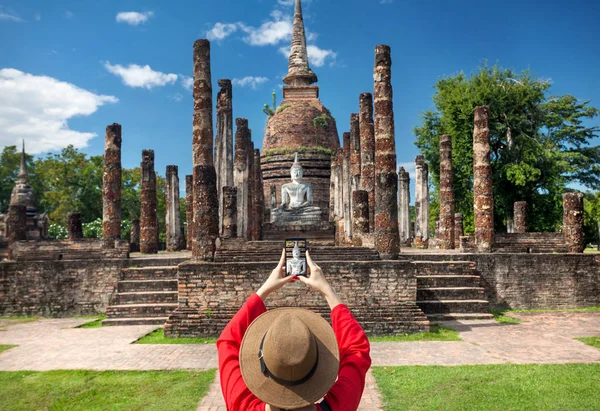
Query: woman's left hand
{"points": [[276, 280]]}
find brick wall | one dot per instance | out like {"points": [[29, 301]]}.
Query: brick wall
{"points": [[81, 249], [535, 281], [382, 295], [57, 288]]}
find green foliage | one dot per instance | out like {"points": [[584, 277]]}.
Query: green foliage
{"points": [[282, 108], [97, 323], [57, 232], [490, 387], [93, 229], [158, 337], [593, 341], [103, 390], [539, 143], [436, 333], [321, 120], [591, 221], [270, 110]]}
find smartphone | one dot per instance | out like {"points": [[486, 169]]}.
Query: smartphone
{"points": [[295, 256]]}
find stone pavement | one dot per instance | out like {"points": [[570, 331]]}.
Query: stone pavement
{"points": [[55, 344]]}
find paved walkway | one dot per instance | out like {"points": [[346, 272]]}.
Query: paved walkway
{"points": [[55, 344]]}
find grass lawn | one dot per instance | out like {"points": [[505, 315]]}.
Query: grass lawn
{"points": [[490, 387], [591, 251], [158, 337], [564, 310], [436, 333], [593, 341], [18, 320], [104, 390], [499, 316], [97, 323], [6, 347]]}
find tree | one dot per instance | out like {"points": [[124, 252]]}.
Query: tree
{"points": [[539, 143], [591, 210]]}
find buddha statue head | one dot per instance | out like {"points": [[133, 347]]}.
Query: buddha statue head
{"points": [[296, 251], [296, 171]]}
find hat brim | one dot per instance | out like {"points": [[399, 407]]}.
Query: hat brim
{"points": [[296, 396]]}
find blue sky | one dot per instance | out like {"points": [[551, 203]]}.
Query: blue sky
{"points": [[69, 68]]}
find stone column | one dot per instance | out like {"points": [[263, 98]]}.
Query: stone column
{"points": [[241, 174], [134, 240], [387, 238], [355, 154], [250, 214], [573, 222], [404, 206], [347, 200], [189, 210], [367, 152], [229, 212], [224, 142], [482, 182], [458, 229], [520, 217], [337, 176], [447, 205], [16, 226], [148, 219], [74, 226], [111, 186], [421, 203], [173, 218], [360, 218], [206, 199], [258, 198]]}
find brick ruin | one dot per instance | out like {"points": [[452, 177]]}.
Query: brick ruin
{"points": [[366, 221]]}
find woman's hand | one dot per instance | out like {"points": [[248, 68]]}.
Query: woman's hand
{"points": [[318, 282], [276, 280]]}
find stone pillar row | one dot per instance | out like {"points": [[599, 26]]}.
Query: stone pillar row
{"points": [[175, 241], [111, 186], [447, 206], [148, 218], [520, 217], [404, 207], [421, 203], [224, 142], [482, 182]]}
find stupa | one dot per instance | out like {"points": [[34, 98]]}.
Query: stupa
{"points": [[301, 124]]}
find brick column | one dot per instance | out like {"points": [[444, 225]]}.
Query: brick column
{"points": [[241, 174], [16, 227], [404, 207], [355, 154], [337, 177], [258, 198], [520, 217], [367, 152], [387, 238], [422, 203], [347, 199], [573, 222], [360, 217], [447, 205], [229, 212], [134, 239], [206, 200], [74, 226], [173, 218], [111, 186], [189, 211], [224, 142], [482, 182], [148, 219], [458, 229]]}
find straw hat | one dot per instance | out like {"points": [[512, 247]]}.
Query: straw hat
{"points": [[289, 357]]}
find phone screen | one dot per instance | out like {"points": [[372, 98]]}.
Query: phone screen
{"points": [[295, 256]]}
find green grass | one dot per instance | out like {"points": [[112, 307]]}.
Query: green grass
{"points": [[94, 324], [158, 337], [563, 310], [591, 251], [436, 333], [6, 347], [104, 390], [490, 387], [593, 341], [499, 316]]}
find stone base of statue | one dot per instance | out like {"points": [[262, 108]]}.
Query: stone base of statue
{"points": [[309, 215]]}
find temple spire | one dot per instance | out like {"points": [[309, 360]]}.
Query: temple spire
{"points": [[299, 72], [23, 170]]}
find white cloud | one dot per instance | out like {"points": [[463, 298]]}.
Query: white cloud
{"points": [[177, 97], [37, 17], [386, 1], [187, 82], [133, 17], [37, 109], [249, 81], [69, 14], [221, 31], [317, 57], [9, 15], [271, 32], [138, 76]]}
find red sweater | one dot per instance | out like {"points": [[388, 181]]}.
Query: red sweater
{"points": [[354, 360]]}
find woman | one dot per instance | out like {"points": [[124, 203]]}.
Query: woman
{"points": [[290, 358]]}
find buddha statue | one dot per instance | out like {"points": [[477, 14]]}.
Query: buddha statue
{"points": [[296, 265], [296, 200]]}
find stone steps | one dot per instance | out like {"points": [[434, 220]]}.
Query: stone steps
{"points": [[448, 293], [146, 297], [271, 251], [135, 321], [450, 290], [128, 286], [140, 310], [149, 273]]}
